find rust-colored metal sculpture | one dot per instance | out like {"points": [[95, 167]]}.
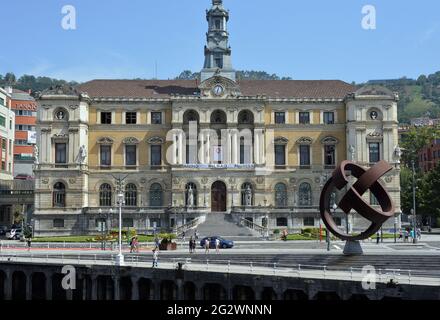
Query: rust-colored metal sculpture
{"points": [[367, 180]]}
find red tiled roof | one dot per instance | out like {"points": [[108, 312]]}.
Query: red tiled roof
{"points": [[166, 88]]}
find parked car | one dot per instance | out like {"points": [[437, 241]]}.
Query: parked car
{"points": [[223, 242], [14, 234]]}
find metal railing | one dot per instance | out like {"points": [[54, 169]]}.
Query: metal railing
{"points": [[381, 275], [263, 231], [190, 225]]}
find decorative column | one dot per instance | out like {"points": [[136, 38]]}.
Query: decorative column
{"points": [[116, 284], [175, 148], [48, 286], [8, 285], [257, 146], [94, 289], [236, 147], [202, 147], [262, 148], [208, 147], [181, 147], [179, 294], [134, 288], [28, 286]]}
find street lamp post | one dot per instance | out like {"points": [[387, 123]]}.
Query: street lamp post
{"points": [[120, 256], [414, 202]]}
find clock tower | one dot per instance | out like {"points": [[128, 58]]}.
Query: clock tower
{"points": [[217, 51]]}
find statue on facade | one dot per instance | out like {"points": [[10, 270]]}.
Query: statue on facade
{"points": [[82, 155], [190, 201], [398, 152], [36, 155], [248, 196], [352, 151]]}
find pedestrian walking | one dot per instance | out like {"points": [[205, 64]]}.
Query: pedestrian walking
{"points": [[196, 234], [191, 245], [207, 245], [406, 235], [194, 245], [29, 243], [132, 244], [155, 257], [377, 238], [217, 245], [156, 243]]}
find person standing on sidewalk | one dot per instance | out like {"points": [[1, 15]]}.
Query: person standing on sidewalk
{"points": [[377, 238], [217, 245], [207, 245], [155, 257], [191, 245], [29, 243]]}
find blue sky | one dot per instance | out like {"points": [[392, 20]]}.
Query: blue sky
{"points": [[313, 39]]}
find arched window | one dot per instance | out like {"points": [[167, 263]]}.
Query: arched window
{"points": [[247, 194], [105, 195], [156, 195], [245, 117], [280, 195], [131, 195], [59, 195], [305, 194], [190, 116], [218, 117], [191, 195]]}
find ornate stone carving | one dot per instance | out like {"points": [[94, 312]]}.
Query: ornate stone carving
{"points": [[204, 180], [281, 140], [329, 140], [156, 140], [232, 180], [304, 140], [229, 87], [105, 140], [143, 180], [45, 181], [292, 180], [176, 181], [388, 179], [72, 180], [260, 180], [130, 140]]}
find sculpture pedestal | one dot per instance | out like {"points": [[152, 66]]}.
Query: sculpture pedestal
{"points": [[353, 248]]}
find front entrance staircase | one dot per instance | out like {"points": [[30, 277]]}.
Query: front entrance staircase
{"points": [[224, 225]]}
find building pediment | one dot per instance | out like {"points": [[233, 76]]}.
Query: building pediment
{"points": [[304, 140], [218, 87], [375, 91]]}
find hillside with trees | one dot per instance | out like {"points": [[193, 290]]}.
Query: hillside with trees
{"points": [[418, 98]]}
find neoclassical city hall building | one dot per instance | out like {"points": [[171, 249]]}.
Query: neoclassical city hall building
{"points": [[255, 149]]}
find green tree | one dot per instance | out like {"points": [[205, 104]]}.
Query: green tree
{"points": [[428, 194]]}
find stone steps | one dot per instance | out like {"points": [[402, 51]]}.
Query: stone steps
{"points": [[222, 224]]}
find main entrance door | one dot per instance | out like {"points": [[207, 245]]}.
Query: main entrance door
{"points": [[218, 197]]}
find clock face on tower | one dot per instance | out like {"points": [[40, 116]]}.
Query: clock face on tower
{"points": [[218, 90]]}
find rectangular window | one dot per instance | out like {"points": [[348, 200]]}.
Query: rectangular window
{"points": [[373, 200], [2, 102], [219, 62], [304, 155], [3, 144], [3, 166], [338, 221], [156, 155], [60, 153], [374, 152], [309, 221], [106, 117], [329, 156], [329, 117], [106, 155], [2, 121], [156, 117], [280, 155], [281, 222], [127, 223], [304, 117], [130, 155], [280, 117], [131, 117], [58, 223], [218, 24]]}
